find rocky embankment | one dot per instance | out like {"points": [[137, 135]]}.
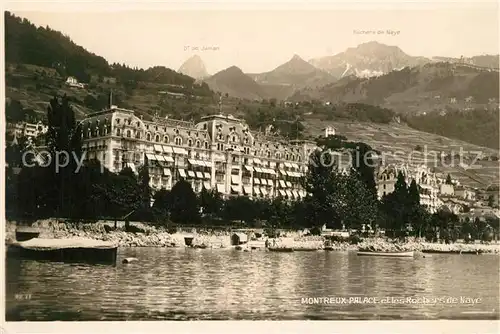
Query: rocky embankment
{"points": [[381, 245], [148, 237]]}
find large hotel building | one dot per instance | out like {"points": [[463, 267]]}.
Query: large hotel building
{"points": [[219, 152]]}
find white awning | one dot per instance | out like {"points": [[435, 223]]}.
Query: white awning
{"points": [[182, 173], [235, 189], [158, 148], [249, 168], [303, 193], [256, 191], [272, 172], [199, 175], [191, 173], [208, 163], [167, 149], [289, 184], [282, 192], [287, 164], [192, 162], [159, 157], [248, 190], [283, 172], [263, 191], [167, 171], [235, 179], [256, 161], [289, 193], [179, 150], [150, 156], [294, 165], [221, 188], [282, 183], [206, 175], [202, 163], [168, 158], [269, 182], [272, 164], [258, 170], [256, 181], [295, 193], [206, 185]]}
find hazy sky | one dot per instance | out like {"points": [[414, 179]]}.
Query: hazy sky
{"points": [[258, 41]]}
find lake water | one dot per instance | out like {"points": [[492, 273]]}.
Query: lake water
{"points": [[190, 284]]}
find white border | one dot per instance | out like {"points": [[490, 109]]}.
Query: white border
{"points": [[439, 326]]}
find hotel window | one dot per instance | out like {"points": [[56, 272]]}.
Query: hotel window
{"points": [[198, 144], [176, 131], [117, 121], [157, 138], [138, 135], [234, 139], [148, 136], [128, 134], [206, 145], [190, 142], [205, 126], [178, 141], [165, 139], [118, 133]]}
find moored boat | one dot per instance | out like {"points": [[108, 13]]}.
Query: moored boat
{"points": [[281, 249], [387, 254], [77, 250], [299, 249]]}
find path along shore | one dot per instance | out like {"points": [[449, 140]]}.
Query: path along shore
{"points": [[159, 237]]}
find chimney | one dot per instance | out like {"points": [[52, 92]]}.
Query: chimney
{"points": [[110, 99]]}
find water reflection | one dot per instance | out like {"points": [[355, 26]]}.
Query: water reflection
{"points": [[224, 284]]}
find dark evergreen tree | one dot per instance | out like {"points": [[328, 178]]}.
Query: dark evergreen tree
{"points": [[184, 208]]}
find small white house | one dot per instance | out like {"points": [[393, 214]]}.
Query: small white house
{"points": [[73, 82], [329, 131]]}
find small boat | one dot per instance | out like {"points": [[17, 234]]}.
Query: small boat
{"points": [[74, 250], [305, 249], [281, 249], [463, 252], [387, 254]]}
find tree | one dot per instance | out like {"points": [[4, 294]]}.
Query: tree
{"points": [[63, 136], [395, 205], [448, 179], [161, 204], [320, 183], [211, 203], [184, 208]]}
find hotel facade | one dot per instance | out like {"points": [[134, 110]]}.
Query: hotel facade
{"points": [[219, 152], [426, 180]]}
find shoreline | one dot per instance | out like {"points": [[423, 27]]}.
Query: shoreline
{"points": [[159, 237]]}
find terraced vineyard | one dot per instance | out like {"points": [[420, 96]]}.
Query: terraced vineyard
{"points": [[400, 143]]}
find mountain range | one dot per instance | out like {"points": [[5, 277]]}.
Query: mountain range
{"points": [[365, 73]]}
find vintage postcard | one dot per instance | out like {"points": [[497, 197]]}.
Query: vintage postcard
{"points": [[236, 162]]}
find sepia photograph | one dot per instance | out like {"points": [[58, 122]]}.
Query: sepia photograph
{"points": [[211, 163]]}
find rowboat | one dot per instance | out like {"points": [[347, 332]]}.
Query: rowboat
{"points": [[387, 254], [305, 249], [281, 249]]}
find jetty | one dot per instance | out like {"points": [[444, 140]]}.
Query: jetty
{"points": [[73, 250]]}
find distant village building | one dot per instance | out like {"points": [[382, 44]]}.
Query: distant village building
{"points": [[446, 190], [453, 100], [73, 82], [329, 131], [469, 99], [30, 130], [464, 193]]}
